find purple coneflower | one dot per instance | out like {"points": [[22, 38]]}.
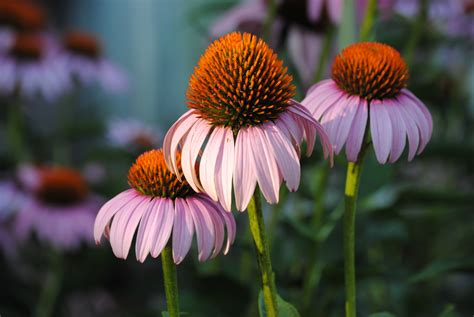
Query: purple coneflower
{"points": [[60, 211], [86, 62], [29, 64], [243, 124], [368, 85], [160, 206]]}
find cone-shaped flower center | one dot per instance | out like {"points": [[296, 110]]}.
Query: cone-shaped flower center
{"points": [[370, 70], [61, 186], [239, 81], [27, 46], [150, 176], [21, 15], [83, 44]]}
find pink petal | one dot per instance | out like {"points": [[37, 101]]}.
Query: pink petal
{"points": [[183, 230], [204, 228], [381, 130], [320, 98], [224, 165], [214, 211], [356, 134], [412, 131], [244, 174], [207, 167], [174, 136], [286, 157], [164, 225], [315, 9], [124, 225], [399, 131], [190, 152], [292, 127], [422, 117], [147, 230], [265, 167], [110, 209], [318, 85], [334, 10]]}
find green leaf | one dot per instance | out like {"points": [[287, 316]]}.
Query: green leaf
{"points": [[285, 309], [440, 267], [382, 314], [448, 311]]}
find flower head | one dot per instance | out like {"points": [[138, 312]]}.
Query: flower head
{"points": [[160, 205], [369, 80], [243, 126], [59, 208], [21, 16]]}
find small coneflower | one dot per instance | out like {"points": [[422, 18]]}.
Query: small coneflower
{"points": [[60, 209], [21, 16], [30, 67], [83, 55], [160, 206], [368, 87], [243, 124], [134, 135]]}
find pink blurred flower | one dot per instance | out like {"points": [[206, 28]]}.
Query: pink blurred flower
{"points": [[133, 134], [243, 127], [60, 210], [368, 80], [160, 205], [84, 58]]}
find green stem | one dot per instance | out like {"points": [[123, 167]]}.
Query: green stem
{"points": [[170, 281], [415, 35], [271, 14], [15, 130], [51, 287], [257, 227], [367, 30]]}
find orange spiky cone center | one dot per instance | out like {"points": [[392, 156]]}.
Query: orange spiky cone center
{"points": [[83, 44], [61, 186], [239, 82], [150, 176], [370, 71]]}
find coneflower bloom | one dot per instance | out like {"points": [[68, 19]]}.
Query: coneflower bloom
{"points": [[60, 211], [244, 127], [83, 55], [29, 64], [368, 87], [132, 134], [22, 16], [162, 207]]}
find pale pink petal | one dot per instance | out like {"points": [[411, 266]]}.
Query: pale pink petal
{"points": [[319, 99], [164, 225], [224, 166], [285, 155], [214, 211], [174, 137], [244, 175], [357, 131], [204, 227], [183, 230], [381, 130], [147, 230], [208, 164], [265, 167], [422, 117], [399, 131], [124, 225], [292, 127], [334, 10], [315, 9], [412, 131], [422, 107], [190, 153], [318, 85]]}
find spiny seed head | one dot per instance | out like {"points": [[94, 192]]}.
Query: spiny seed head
{"points": [[239, 82], [83, 44], [61, 186], [150, 176], [370, 71], [26, 46]]}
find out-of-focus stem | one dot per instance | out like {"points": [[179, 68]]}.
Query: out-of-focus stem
{"points": [[170, 281]]}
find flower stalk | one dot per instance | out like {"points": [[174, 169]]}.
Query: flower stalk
{"points": [[170, 281], [257, 228]]}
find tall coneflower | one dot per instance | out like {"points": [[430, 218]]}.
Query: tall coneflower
{"points": [[167, 212], [366, 102], [243, 128]]}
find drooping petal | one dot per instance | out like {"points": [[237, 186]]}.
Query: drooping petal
{"points": [[190, 152], [208, 165], [110, 209], [224, 166], [124, 225], [357, 131], [399, 131], [412, 131], [244, 175], [265, 167], [183, 230], [334, 10], [322, 97], [164, 225], [174, 136], [381, 130], [204, 227], [423, 109], [147, 229], [285, 155], [219, 231], [315, 9]]}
